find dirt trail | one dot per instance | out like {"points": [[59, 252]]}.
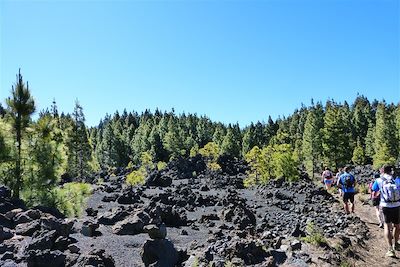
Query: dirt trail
{"points": [[373, 254]]}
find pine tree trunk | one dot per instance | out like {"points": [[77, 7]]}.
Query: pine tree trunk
{"points": [[17, 184]]}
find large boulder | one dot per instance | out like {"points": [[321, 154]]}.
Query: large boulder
{"points": [[6, 222], [113, 216], [129, 198], [159, 252], [156, 232], [248, 251], [12, 213], [39, 258], [156, 178], [89, 228], [27, 216], [27, 229], [63, 227], [96, 257], [42, 240], [5, 234], [173, 217], [132, 225]]}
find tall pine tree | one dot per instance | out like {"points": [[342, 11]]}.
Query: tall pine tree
{"points": [[21, 106]]}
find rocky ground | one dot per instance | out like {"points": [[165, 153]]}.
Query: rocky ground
{"points": [[186, 215]]}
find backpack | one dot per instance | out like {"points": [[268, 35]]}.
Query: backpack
{"points": [[348, 181], [390, 192]]}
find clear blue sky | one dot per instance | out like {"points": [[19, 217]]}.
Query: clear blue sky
{"points": [[231, 60]]}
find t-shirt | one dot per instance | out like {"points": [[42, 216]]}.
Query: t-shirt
{"points": [[342, 182], [377, 187]]}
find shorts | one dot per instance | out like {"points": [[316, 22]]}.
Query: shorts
{"points": [[328, 181], [348, 196], [391, 215], [376, 201]]}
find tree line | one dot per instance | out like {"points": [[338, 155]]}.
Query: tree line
{"points": [[37, 153]]}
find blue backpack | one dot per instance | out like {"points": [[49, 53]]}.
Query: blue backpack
{"points": [[348, 181]]}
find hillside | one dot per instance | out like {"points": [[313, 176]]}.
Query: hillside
{"points": [[209, 219]]}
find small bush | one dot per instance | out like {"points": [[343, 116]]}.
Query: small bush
{"points": [[195, 263], [71, 198], [334, 190], [346, 264], [161, 165], [314, 235], [362, 188], [136, 177], [213, 166], [130, 165], [248, 182]]}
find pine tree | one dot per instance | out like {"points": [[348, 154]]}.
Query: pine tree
{"points": [[385, 137], [312, 143], [204, 131], [21, 106], [79, 150], [248, 139], [258, 135], [361, 119], [219, 134], [284, 163], [230, 145], [172, 140], [397, 119], [358, 154], [336, 136], [107, 152], [270, 129], [47, 161], [157, 148], [141, 141], [370, 143]]}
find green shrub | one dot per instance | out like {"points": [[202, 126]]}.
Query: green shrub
{"points": [[346, 264], [213, 166], [248, 182], [70, 199], [314, 235], [195, 263], [362, 188], [161, 165], [137, 177], [194, 151], [272, 161]]}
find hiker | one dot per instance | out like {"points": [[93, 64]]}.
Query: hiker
{"points": [[340, 172], [375, 200], [347, 183], [389, 189], [327, 178]]}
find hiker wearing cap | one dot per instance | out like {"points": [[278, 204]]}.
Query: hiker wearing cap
{"points": [[389, 189]]}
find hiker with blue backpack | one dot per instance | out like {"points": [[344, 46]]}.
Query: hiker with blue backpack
{"points": [[389, 189], [347, 184]]}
